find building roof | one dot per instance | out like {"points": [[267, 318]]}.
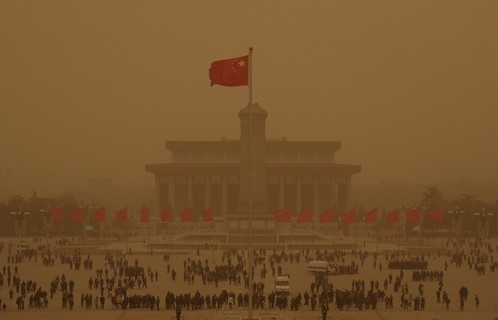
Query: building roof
{"points": [[271, 145], [234, 168]]}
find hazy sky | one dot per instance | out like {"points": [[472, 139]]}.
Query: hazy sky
{"points": [[94, 88]]}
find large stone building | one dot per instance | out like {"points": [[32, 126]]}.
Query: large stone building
{"points": [[285, 174]]}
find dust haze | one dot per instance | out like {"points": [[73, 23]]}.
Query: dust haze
{"points": [[93, 89]]}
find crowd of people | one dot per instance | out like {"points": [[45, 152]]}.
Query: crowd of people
{"points": [[123, 281]]}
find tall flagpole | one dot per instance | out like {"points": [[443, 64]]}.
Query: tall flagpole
{"points": [[250, 75], [249, 255]]}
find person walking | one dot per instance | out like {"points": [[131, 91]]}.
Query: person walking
{"points": [[324, 312]]}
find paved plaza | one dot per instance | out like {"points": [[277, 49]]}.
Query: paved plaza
{"points": [[483, 285]]}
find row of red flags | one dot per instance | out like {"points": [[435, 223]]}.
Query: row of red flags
{"points": [[122, 215], [284, 215], [412, 216]]}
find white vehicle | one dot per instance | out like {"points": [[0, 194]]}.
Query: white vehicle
{"points": [[321, 267], [282, 284], [23, 246]]}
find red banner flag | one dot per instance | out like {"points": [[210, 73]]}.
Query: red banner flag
{"points": [[99, 215], [208, 215], [186, 215], [413, 216], [436, 215], [283, 215], [327, 216], [370, 216], [392, 217], [305, 216], [78, 215], [144, 215], [122, 215], [230, 72], [55, 214], [348, 217], [166, 215]]}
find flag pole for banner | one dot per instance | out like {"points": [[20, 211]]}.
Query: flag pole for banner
{"points": [[334, 231], [85, 222], [355, 233], [377, 236], [105, 236], [214, 242], [170, 242], [400, 232], [377, 243], [420, 232], [249, 255], [440, 234], [292, 236], [148, 234], [191, 232]]}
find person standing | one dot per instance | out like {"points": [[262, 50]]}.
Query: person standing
{"points": [[476, 299], [178, 311]]}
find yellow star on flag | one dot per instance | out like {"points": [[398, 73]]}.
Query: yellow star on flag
{"points": [[242, 63]]}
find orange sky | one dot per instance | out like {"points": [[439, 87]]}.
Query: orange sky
{"points": [[94, 88]]}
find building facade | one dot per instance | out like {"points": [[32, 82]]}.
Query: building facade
{"points": [[255, 174]]}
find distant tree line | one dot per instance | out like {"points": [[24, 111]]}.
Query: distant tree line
{"points": [[432, 199]]}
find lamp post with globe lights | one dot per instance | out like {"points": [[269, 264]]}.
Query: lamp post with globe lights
{"points": [[20, 222], [456, 221], [483, 223]]}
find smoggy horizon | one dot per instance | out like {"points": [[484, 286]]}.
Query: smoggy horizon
{"points": [[93, 89]]}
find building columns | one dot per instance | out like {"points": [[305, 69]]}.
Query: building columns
{"points": [[333, 195], [190, 201], [172, 194], [224, 196], [315, 196], [281, 193], [299, 188], [207, 192]]}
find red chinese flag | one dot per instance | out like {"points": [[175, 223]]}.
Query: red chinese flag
{"points": [[327, 216], [436, 215], [348, 217], [144, 215], [166, 215], [305, 216], [99, 215], [78, 215], [186, 215], [231, 72], [122, 215], [208, 215], [413, 216], [283, 215], [370, 216], [392, 217], [55, 214]]}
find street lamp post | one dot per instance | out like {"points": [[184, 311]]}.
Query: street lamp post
{"points": [[483, 223], [20, 225], [422, 210], [46, 220], [456, 221], [404, 208], [86, 209]]}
